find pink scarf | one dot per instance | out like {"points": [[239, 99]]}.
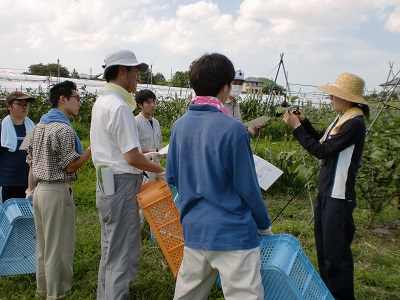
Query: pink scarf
{"points": [[210, 101]]}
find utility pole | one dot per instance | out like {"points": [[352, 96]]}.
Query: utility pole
{"points": [[58, 69], [150, 77]]}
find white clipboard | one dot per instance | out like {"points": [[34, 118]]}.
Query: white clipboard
{"points": [[267, 173], [257, 122]]}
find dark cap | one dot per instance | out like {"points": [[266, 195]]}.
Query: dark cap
{"points": [[16, 95]]}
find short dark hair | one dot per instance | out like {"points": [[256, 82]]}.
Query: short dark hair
{"points": [[210, 73], [64, 88], [142, 95], [112, 72]]}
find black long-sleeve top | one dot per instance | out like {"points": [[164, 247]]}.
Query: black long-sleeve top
{"points": [[340, 154]]}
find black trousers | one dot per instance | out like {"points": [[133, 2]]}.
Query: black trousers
{"points": [[8, 192], [334, 230]]}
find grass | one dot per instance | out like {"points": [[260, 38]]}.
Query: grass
{"points": [[376, 256]]}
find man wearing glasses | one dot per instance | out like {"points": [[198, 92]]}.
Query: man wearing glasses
{"points": [[55, 153], [13, 129]]}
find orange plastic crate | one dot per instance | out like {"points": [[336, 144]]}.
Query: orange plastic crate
{"points": [[155, 199]]}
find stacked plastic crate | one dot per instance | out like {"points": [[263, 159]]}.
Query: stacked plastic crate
{"points": [[17, 238]]}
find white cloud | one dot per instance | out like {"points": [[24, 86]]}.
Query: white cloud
{"points": [[202, 11], [319, 38], [393, 22]]}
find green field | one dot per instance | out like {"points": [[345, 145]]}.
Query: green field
{"points": [[376, 243], [376, 253]]}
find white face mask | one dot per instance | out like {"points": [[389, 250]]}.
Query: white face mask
{"points": [[236, 90]]}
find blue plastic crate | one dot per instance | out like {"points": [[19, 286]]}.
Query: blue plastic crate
{"points": [[17, 238], [286, 271], [173, 190]]}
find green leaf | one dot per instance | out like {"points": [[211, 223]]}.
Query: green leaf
{"points": [[281, 110], [389, 164], [377, 155], [294, 167]]}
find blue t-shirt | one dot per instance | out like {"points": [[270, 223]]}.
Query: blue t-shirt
{"points": [[211, 164], [13, 167]]}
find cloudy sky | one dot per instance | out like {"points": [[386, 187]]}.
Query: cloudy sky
{"points": [[319, 38]]}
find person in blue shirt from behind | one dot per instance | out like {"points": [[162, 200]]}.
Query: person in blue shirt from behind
{"points": [[222, 209]]}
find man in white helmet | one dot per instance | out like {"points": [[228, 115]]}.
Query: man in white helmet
{"points": [[232, 105]]}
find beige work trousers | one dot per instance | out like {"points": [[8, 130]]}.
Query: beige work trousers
{"points": [[239, 271], [54, 214]]}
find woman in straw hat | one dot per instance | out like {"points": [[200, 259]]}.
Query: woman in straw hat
{"points": [[340, 147]]}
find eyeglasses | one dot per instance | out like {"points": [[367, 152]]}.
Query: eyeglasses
{"points": [[22, 104], [77, 97]]}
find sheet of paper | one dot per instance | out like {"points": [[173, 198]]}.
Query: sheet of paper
{"points": [[257, 122], [25, 142], [164, 150], [267, 173]]}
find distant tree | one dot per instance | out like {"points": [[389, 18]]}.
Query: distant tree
{"points": [[145, 77], [74, 74], [159, 79], [272, 86], [150, 78], [180, 79], [46, 70]]}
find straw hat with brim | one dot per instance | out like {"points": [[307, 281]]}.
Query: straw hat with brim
{"points": [[16, 95], [123, 58], [347, 86]]}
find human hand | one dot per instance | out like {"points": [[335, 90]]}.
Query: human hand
{"points": [[291, 119], [153, 156], [267, 231], [29, 194], [149, 155], [299, 115], [161, 175], [255, 129], [156, 157]]}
